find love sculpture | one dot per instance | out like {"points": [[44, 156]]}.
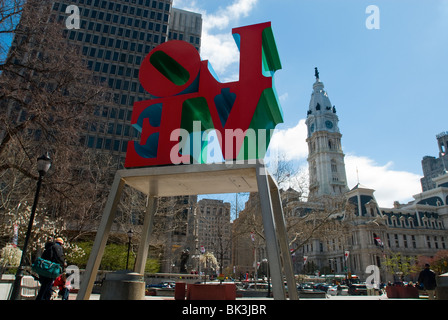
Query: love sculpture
{"points": [[191, 102]]}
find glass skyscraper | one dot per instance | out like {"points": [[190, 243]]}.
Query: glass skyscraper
{"points": [[114, 37]]}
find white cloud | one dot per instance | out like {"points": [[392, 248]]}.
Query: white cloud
{"points": [[283, 97], [220, 49], [217, 44], [389, 184], [290, 143], [222, 53]]}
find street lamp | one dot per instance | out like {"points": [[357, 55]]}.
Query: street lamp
{"points": [[130, 234], [43, 165]]}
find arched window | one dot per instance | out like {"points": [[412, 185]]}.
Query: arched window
{"points": [[314, 171], [334, 167]]}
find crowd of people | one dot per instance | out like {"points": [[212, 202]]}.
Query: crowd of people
{"points": [[426, 281]]}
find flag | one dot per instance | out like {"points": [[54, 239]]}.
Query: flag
{"points": [[346, 254], [378, 241], [15, 235]]}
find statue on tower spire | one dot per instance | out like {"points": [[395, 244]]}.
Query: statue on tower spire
{"points": [[316, 74]]}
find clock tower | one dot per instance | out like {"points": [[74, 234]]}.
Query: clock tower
{"points": [[325, 157]]}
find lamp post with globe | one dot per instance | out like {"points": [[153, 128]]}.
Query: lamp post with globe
{"points": [[43, 165]]}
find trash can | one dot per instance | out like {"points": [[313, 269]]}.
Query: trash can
{"points": [[123, 285], [442, 287]]}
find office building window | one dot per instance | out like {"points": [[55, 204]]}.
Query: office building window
{"points": [[105, 112], [99, 143], [90, 141], [107, 144], [118, 84], [110, 127], [116, 145]]}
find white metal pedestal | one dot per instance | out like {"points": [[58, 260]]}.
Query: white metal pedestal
{"points": [[193, 180]]}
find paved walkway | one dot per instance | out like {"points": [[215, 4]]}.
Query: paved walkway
{"points": [[360, 298]]}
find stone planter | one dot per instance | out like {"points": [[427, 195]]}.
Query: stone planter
{"points": [[401, 292], [211, 291]]}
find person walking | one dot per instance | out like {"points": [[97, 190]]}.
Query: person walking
{"points": [[54, 253], [427, 277]]}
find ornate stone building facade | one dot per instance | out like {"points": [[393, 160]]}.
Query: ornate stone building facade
{"points": [[413, 229], [432, 166], [341, 230], [325, 156], [209, 231]]}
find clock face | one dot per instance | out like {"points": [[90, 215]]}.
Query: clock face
{"points": [[329, 124]]}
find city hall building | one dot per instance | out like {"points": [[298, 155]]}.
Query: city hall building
{"points": [[413, 229], [368, 234]]}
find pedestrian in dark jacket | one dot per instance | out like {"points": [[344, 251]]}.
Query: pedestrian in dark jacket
{"points": [[428, 278], [54, 253]]}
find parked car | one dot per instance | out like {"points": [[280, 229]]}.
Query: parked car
{"points": [[305, 286], [322, 287], [357, 289], [164, 284], [333, 291], [258, 286]]}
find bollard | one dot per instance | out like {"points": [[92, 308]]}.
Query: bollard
{"points": [[179, 291], [123, 285], [442, 287]]}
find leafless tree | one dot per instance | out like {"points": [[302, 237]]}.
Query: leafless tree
{"points": [[305, 221], [323, 221], [47, 97]]}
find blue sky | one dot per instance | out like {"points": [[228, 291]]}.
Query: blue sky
{"points": [[388, 84]]}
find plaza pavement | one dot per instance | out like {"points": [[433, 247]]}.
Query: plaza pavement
{"points": [[328, 298]]}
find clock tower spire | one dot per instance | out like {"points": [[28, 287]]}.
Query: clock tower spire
{"points": [[325, 157]]}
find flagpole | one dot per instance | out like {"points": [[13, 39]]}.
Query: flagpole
{"points": [[346, 255], [442, 154]]}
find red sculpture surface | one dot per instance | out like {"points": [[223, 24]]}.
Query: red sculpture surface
{"points": [[190, 99]]}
